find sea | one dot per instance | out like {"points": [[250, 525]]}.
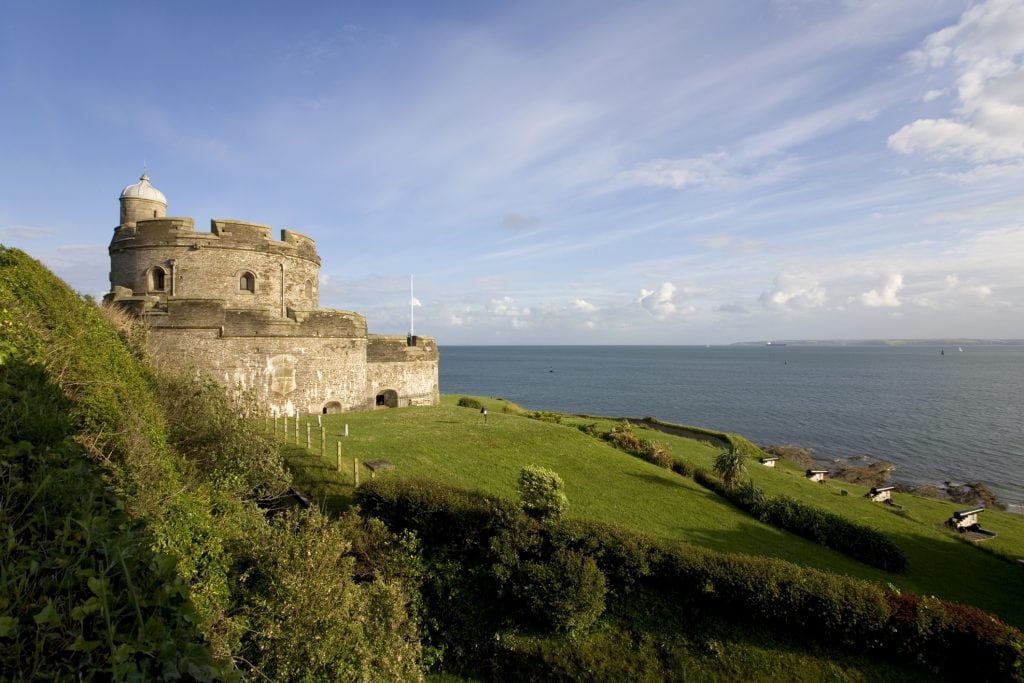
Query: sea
{"points": [[939, 413]]}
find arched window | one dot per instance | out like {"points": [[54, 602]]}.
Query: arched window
{"points": [[157, 279], [247, 282]]}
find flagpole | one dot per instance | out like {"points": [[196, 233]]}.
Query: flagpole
{"points": [[412, 307]]}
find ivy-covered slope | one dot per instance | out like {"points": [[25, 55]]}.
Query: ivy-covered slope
{"points": [[134, 547]]}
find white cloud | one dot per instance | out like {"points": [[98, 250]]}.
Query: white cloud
{"points": [[886, 296], [27, 232], [952, 294], [985, 51], [583, 305], [677, 174], [658, 303], [943, 138], [794, 292], [505, 307]]}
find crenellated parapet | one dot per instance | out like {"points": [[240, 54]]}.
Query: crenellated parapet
{"points": [[224, 234]]}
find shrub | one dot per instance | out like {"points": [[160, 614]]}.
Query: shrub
{"points": [[83, 596], [545, 416], [730, 466], [682, 468], [222, 435], [860, 542], [309, 619], [623, 438], [489, 544], [563, 595], [468, 402], [542, 493]]}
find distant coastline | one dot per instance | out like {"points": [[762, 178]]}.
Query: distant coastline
{"points": [[952, 342]]}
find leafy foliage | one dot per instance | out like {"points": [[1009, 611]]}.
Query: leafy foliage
{"points": [[131, 532], [542, 493], [222, 434], [470, 402], [730, 465], [624, 438], [860, 542], [308, 618], [80, 589], [478, 566]]}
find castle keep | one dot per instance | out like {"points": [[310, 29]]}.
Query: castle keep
{"points": [[244, 307]]}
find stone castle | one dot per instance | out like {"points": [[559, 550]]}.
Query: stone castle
{"points": [[244, 307]]}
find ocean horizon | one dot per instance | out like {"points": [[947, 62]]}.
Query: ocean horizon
{"points": [[937, 412]]}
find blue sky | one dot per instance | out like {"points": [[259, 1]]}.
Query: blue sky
{"points": [[551, 172]]}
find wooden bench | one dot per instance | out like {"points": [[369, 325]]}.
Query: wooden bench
{"points": [[769, 461]]}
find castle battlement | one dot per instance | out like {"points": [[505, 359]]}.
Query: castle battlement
{"points": [[224, 234], [244, 306]]}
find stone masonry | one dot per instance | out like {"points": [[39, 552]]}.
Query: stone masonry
{"points": [[244, 307]]}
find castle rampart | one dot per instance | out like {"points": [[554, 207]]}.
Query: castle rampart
{"points": [[244, 307]]}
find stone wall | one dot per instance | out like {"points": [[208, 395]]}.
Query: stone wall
{"points": [[291, 374], [406, 365]]}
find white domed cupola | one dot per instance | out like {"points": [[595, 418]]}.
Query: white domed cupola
{"points": [[140, 201], [143, 190]]}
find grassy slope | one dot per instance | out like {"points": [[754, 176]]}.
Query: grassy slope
{"points": [[455, 445]]}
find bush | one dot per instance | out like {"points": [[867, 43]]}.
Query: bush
{"points": [[730, 465], [623, 438], [682, 468], [542, 493], [487, 544], [563, 595], [82, 595], [468, 402], [309, 619], [222, 435], [860, 542]]}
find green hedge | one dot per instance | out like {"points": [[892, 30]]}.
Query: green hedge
{"points": [[860, 542], [482, 536]]}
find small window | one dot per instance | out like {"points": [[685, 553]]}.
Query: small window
{"points": [[247, 282], [157, 279]]}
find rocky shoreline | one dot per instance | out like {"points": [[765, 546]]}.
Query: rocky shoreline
{"points": [[869, 471]]}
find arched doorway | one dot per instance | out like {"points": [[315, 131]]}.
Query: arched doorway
{"points": [[387, 399], [332, 407]]}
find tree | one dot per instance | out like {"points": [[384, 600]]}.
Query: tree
{"points": [[730, 466]]}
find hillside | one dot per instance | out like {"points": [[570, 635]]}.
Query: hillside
{"points": [[148, 538], [456, 446], [136, 541]]}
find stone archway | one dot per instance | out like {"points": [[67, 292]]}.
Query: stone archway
{"points": [[387, 399], [332, 407]]}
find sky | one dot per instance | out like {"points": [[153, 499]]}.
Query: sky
{"points": [[552, 172]]}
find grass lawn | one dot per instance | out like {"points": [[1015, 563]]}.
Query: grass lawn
{"points": [[457, 446]]}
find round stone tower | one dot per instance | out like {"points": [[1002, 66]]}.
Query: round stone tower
{"points": [[140, 201]]}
